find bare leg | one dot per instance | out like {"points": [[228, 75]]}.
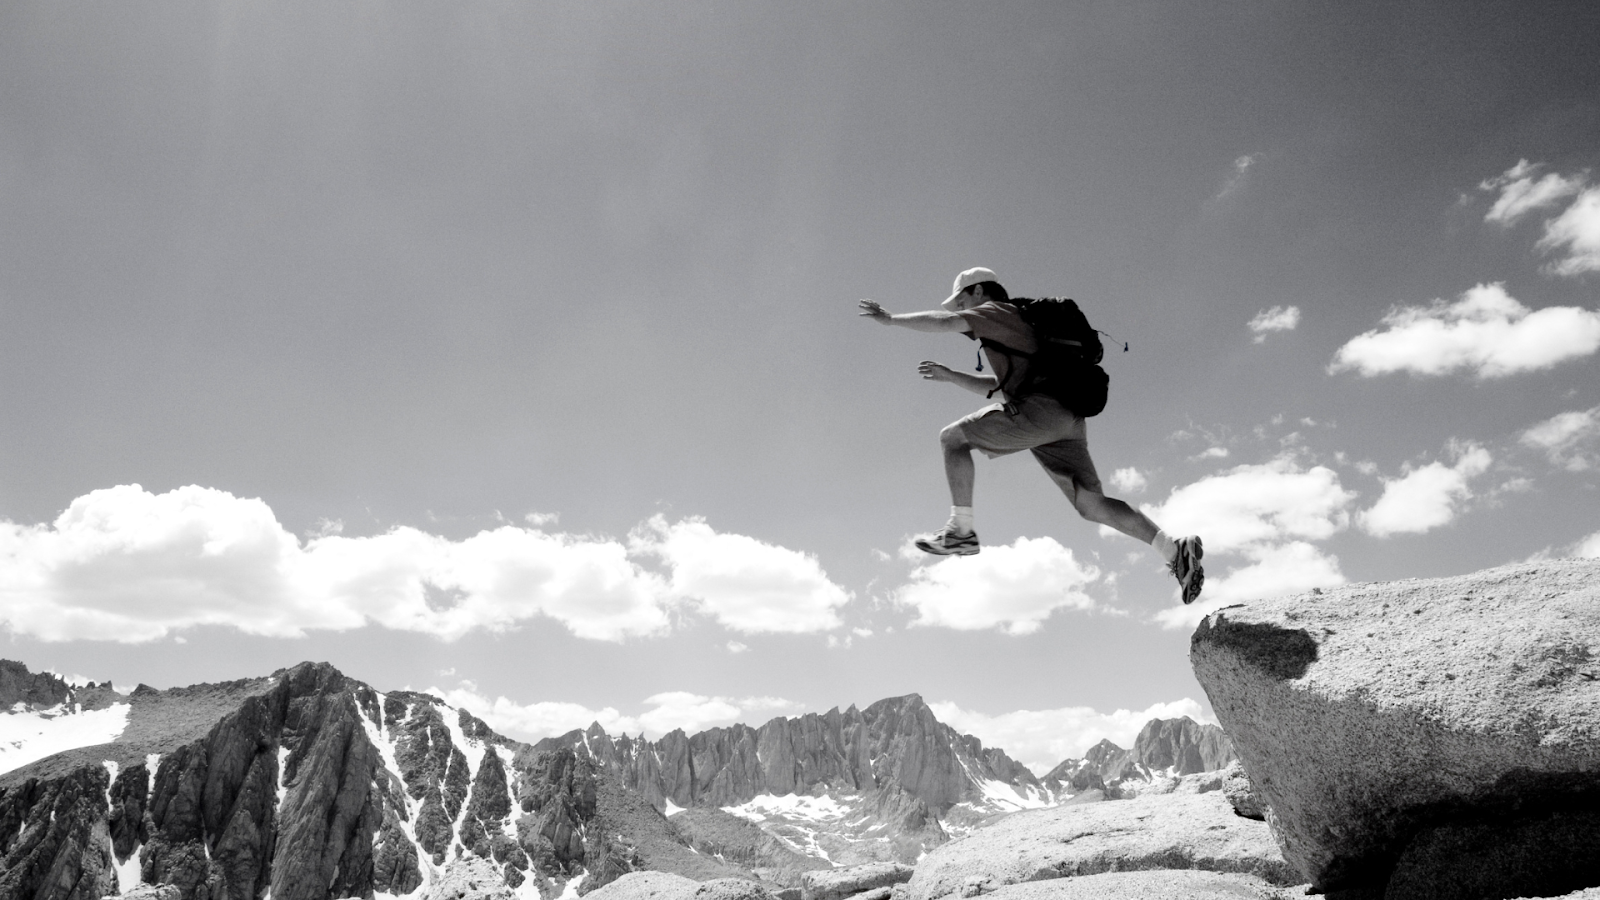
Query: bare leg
{"points": [[1103, 510], [959, 470]]}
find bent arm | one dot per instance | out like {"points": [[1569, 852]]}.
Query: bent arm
{"points": [[978, 384]]}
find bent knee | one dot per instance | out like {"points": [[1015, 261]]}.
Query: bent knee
{"points": [[953, 437]]}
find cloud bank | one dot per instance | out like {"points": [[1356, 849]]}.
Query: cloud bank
{"points": [[1013, 588], [123, 564], [1041, 738], [1485, 332]]}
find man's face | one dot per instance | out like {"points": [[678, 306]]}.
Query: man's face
{"points": [[972, 296]]}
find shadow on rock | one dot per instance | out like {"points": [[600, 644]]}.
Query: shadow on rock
{"points": [[1284, 653]]}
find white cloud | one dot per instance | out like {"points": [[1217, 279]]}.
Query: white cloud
{"points": [[1273, 571], [1212, 453], [736, 647], [1241, 170], [1577, 233], [668, 710], [533, 721], [745, 584], [1249, 506], [126, 565], [1571, 439], [1013, 588], [1486, 331], [1520, 193], [1278, 318], [1268, 514], [1588, 547], [1129, 480], [1426, 497], [1041, 738]]}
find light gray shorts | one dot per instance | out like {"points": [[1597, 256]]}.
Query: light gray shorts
{"points": [[1057, 437]]}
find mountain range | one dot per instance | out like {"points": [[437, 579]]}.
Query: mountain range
{"points": [[310, 784]]}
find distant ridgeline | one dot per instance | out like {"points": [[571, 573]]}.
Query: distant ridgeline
{"points": [[313, 785]]}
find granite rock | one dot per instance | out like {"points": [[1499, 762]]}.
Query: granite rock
{"points": [[836, 884], [1164, 831], [1392, 729]]}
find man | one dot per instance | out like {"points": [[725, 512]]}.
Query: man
{"points": [[981, 309]]}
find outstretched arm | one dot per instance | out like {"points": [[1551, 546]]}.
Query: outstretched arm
{"points": [[931, 320], [978, 384]]}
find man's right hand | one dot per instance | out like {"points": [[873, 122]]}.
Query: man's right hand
{"points": [[875, 311], [933, 371]]}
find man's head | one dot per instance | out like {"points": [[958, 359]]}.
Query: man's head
{"points": [[974, 286]]}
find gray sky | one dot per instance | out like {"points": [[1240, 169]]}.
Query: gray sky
{"points": [[381, 281]]}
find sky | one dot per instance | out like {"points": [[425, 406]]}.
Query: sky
{"points": [[511, 350]]}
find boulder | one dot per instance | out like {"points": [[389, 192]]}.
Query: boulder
{"points": [[149, 892], [1169, 884], [647, 886], [1395, 730], [834, 884], [1159, 831], [732, 889], [470, 878], [1241, 793]]}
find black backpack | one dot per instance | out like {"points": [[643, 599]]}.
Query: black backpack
{"points": [[1067, 364]]}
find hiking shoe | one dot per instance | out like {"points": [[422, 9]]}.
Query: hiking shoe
{"points": [[1187, 569], [947, 543]]}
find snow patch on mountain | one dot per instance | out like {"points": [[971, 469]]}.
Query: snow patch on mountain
{"points": [[30, 735]]}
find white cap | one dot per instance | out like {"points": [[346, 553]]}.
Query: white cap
{"points": [[970, 277]]}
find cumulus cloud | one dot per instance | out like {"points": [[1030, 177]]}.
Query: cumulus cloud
{"points": [[746, 584], [1249, 506], [127, 565], [1486, 332], [1278, 318], [1426, 497], [1267, 514], [1575, 233], [1129, 480], [1570, 439], [1013, 588], [1041, 738], [667, 711], [1520, 192]]}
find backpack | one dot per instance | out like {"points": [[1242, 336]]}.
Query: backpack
{"points": [[1067, 364]]}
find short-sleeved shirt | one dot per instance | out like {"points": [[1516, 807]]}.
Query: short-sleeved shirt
{"points": [[998, 322]]}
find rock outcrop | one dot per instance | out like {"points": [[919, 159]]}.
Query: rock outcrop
{"points": [[1440, 732], [1152, 884], [838, 884], [1166, 831]]}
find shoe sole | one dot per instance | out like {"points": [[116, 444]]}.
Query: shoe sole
{"points": [[1197, 576], [937, 550]]}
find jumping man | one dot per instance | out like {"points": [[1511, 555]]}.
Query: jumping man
{"points": [[1058, 437]]}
